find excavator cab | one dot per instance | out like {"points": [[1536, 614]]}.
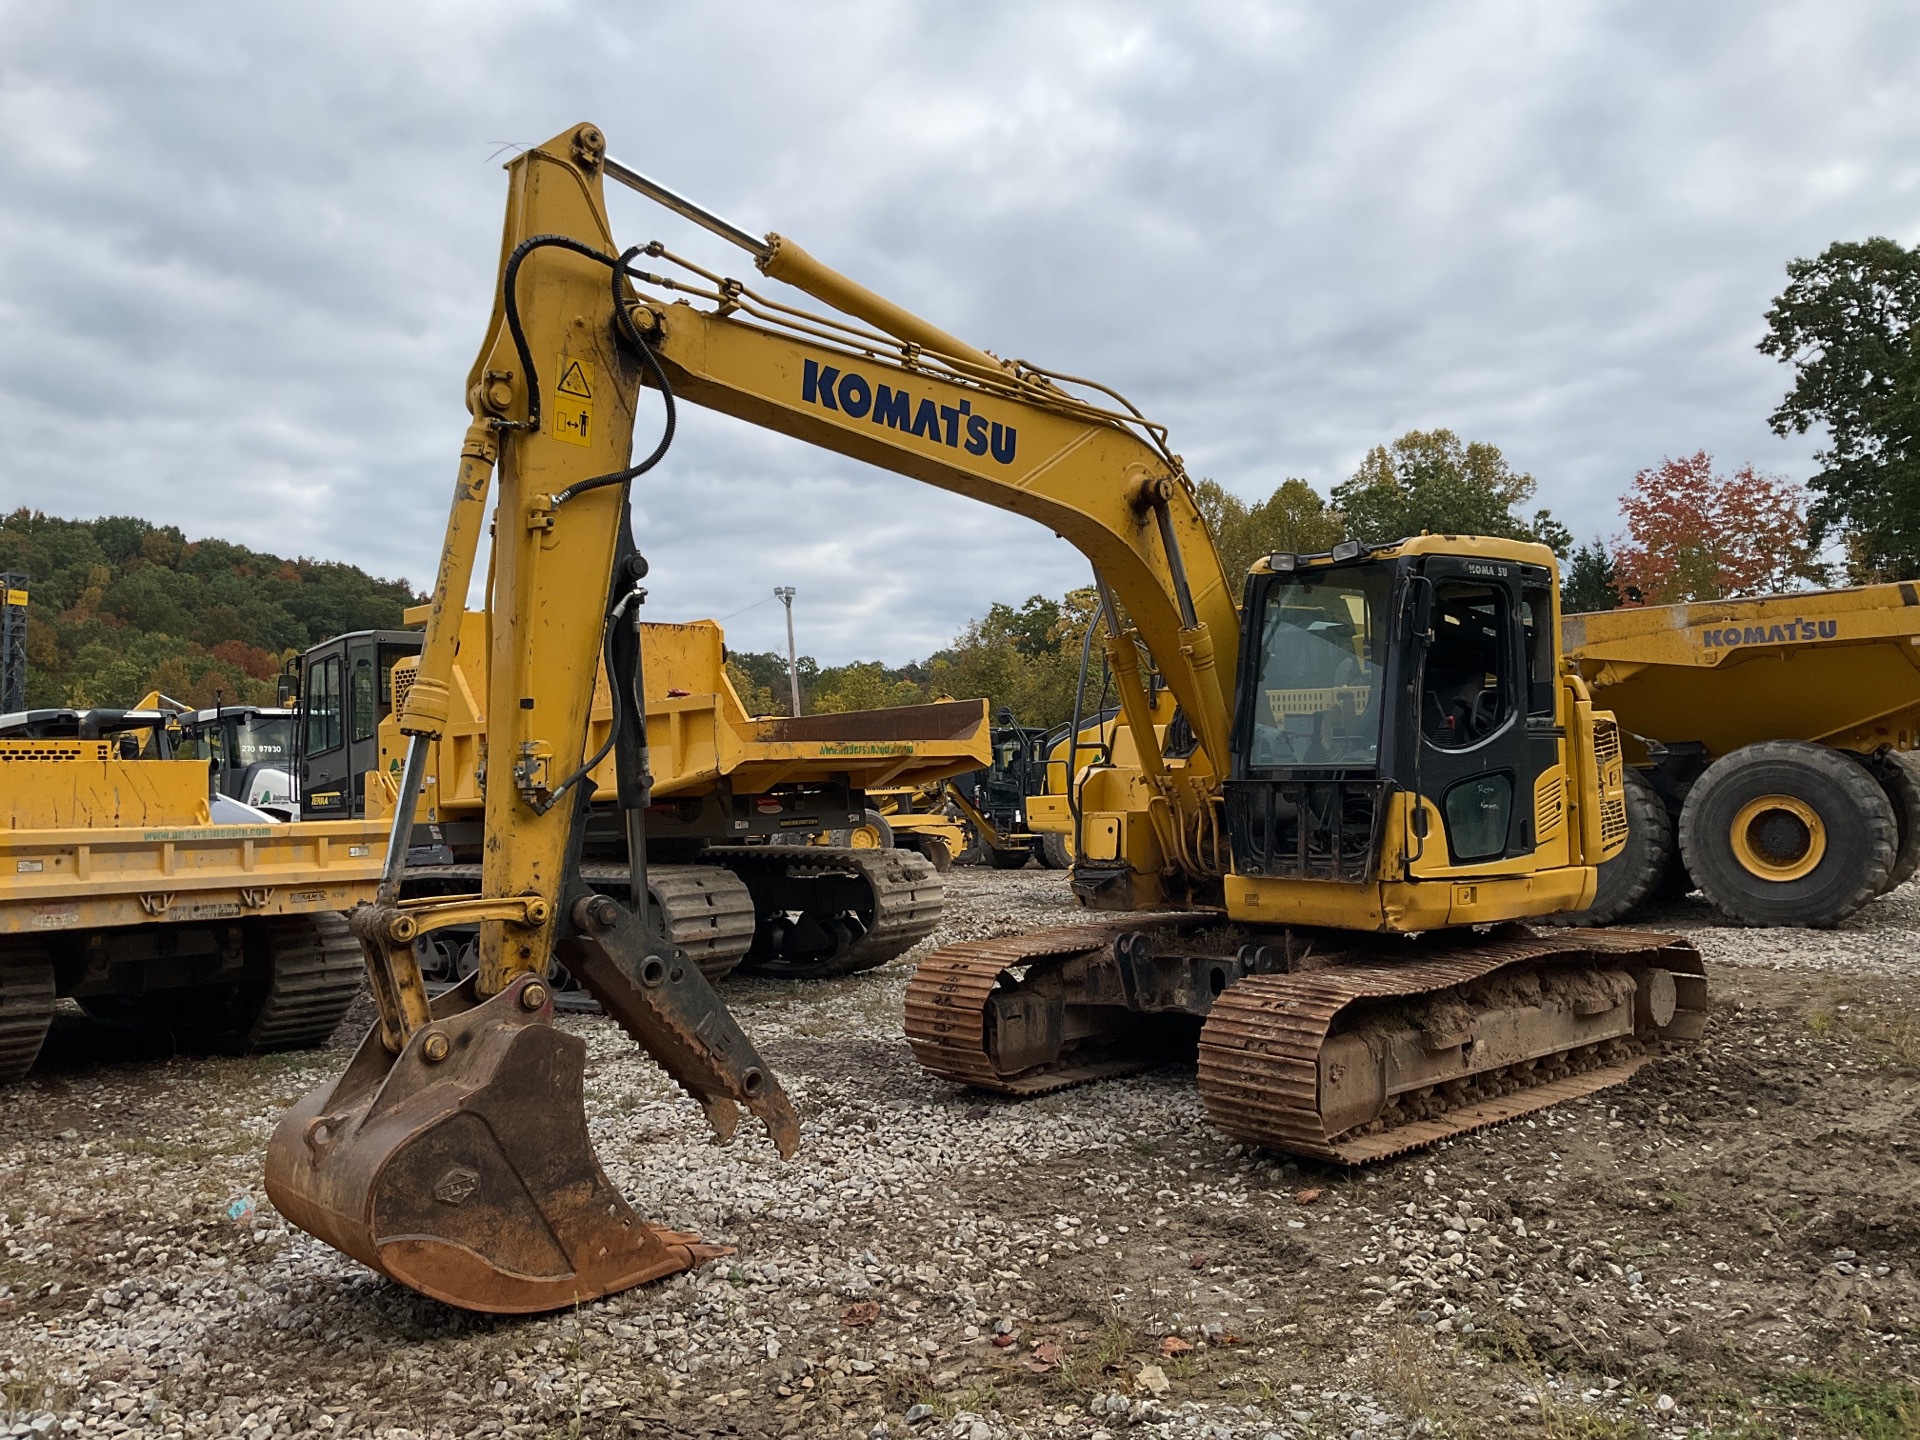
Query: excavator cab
{"points": [[1400, 721]]}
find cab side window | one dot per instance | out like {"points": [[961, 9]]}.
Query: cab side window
{"points": [[362, 699], [1536, 616], [323, 707]]}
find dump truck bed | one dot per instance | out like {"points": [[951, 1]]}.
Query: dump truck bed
{"points": [[699, 733], [1839, 667]]}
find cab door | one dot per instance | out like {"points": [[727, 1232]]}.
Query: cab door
{"points": [[326, 791], [1485, 731]]}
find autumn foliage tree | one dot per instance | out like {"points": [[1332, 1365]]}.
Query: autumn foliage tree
{"points": [[1693, 534]]}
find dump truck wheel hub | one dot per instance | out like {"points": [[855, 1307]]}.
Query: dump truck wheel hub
{"points": [[1778, 837]]}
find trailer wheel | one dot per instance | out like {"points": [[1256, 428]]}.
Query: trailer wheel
{"points": [[1900, 780], [26, 1004], [1788, 833], [1056, 851], [1629, 879]]}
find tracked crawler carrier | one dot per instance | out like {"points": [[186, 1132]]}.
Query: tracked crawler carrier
{"points": [[734, 802], [119, 891]]}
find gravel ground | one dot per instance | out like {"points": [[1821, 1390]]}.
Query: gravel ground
{"points": [[1729, 1244]]}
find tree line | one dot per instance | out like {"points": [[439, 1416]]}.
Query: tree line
{"points": [[119, 606]]}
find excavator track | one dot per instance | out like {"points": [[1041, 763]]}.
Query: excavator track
{"points": [[1377, 1049], [827, 911], [947, 1007], [1266, 1074], [26, 1004]]}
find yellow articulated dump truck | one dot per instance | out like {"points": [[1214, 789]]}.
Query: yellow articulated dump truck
{"points": [[118, 890], [738, 805], [1770, 745]]}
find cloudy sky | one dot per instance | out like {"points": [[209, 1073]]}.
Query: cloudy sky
{"points": [[246, 251]]}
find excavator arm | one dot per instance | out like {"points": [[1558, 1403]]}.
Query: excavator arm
{"points": [[453, 1153]]}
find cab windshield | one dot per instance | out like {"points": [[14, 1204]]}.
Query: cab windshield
{"points": [[267, 738], [1322, 644]]}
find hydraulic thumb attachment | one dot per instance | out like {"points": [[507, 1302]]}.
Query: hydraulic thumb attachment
{"points": [[461, 1166]]}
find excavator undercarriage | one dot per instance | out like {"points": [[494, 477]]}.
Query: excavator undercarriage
{"points": [[1332, 1046]]}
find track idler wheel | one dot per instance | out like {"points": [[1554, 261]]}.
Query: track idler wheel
{"points": [[462, 1168]]}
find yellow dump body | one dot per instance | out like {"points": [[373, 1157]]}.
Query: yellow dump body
{"points": [[89, 841], [698, 732], [1838, 667]]}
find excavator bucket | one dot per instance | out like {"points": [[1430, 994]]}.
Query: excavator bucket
{"points": [[461, 1167]]}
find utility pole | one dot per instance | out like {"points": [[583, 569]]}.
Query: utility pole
{"points": [[785, 595]]}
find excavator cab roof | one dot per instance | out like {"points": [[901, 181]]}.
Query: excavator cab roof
{"points": [[1466, 547]]}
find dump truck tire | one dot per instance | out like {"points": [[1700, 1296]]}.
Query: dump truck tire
{"points": [[26, 1004], [1899, 778], [1009, 859], [938, 853], [1630, 879], [1056, 851], [873, 833], [1788, 833]]}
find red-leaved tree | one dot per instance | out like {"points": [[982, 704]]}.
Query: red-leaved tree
{"points": [[1695, 535]]}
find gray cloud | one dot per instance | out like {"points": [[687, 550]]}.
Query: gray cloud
{"points": [[246, 254]]}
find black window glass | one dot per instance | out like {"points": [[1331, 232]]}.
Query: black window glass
{"points": [[1479, 810], [361, 697], [1536, 614]]}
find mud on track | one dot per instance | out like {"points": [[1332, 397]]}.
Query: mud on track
{"points": [[1727, 1244]]}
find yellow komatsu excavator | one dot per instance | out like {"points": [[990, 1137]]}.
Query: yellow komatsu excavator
{"points": [[1376, 761]]}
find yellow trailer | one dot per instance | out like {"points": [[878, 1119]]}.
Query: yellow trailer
{"points": [[1770, 742], [118, 891]]}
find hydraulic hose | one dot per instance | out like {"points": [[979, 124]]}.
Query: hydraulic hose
{"points": [[628, 332]]}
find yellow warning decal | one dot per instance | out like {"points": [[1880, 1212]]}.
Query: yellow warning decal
{"points": [[573, 401]]}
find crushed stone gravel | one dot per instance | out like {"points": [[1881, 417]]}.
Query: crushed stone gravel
{"points": [[1699, 1250]]}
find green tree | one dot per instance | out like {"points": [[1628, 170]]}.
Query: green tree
{"points": [[1433, 481], [1293, 519], [1849, 324], [1587, 581], [120, 606]]}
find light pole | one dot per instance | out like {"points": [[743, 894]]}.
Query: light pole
{"points": [[785, 595]]}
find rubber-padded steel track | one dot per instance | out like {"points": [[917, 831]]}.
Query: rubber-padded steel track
{"points": [[708, 910], [1260, 1048], [26, 1004], [903, 899], [316, 971]]}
